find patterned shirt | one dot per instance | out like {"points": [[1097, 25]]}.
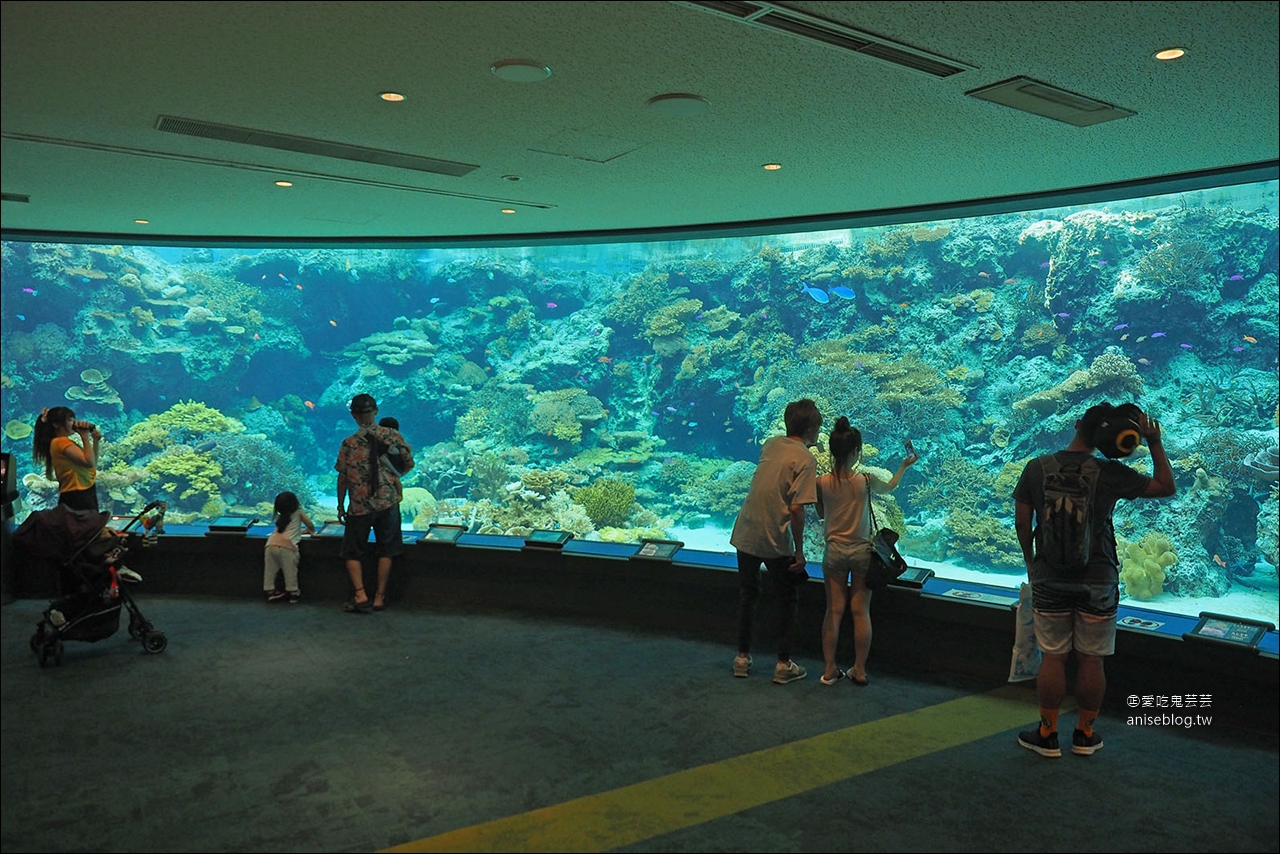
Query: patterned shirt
{"points": [[358, 469]]}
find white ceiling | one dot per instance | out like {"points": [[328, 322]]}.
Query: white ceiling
{"points": [[84, 84]]}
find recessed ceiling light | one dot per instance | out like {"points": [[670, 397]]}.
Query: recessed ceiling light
{"points": [[508, 210], [1171, 53], [520, 70], [678, 104], [512, 178], [772, 167], [143, 221], [284, 183], [391, 96]]}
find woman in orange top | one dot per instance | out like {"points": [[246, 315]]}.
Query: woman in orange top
{"points": [[75, 466]]}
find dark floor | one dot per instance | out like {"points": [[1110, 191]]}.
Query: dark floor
{"points": [[300, 728]]}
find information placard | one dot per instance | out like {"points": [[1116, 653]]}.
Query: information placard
{"points": [[1229, 631], [659, 550]]}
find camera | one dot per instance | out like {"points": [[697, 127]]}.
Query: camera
{"points": [[1119, 434]]}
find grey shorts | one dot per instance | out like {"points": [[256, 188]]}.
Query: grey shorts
{"points": [[1075, 616], [843, 560]]}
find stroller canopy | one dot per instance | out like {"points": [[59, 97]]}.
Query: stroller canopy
{"points": [[58, 533]]}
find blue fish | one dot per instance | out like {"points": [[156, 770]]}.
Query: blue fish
{"points": [[1063, 314], [1044, 265], [819, 296], [1121, 326], [1185, 346], [1236, 278], [21, 316], [205, 447], [1157, 334], [842, 292], [1237, 349]]}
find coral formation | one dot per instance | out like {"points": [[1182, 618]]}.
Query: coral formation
{"points": [[1143, 565]]}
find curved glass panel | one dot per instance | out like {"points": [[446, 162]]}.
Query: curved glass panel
{"points": [[621, 391]]}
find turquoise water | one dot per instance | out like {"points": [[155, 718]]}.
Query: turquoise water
{"points": [[621, 391]]}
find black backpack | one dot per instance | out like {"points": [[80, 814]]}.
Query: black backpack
{"points": [[1066, 516]]}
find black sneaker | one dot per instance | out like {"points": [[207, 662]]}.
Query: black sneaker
{"points": [[295, 597], [275, 595], [1085, 745], [1045, 745]]}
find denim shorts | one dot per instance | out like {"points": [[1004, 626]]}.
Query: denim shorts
{"points": [[843, 560], [1075, 616], [385, 525]]}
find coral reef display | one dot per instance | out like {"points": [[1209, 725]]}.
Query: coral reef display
{"points": [[623, 391]]}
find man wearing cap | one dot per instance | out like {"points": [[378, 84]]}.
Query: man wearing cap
{"points": [[369, 496]]}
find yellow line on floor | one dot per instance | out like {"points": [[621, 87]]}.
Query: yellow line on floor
{"points": [[686, 798]]}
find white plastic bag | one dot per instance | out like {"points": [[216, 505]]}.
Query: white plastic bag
{"points": [[1026, 653]]}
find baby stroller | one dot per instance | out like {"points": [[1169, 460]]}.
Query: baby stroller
{"points": [[87, 552]]}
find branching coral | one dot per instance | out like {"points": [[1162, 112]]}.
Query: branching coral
{"points": [[176, 424], [1143, 565], [189, 479], [983, 536], [607, 501]]}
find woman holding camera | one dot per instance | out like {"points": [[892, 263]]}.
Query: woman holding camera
{"points": [[74, 465]]}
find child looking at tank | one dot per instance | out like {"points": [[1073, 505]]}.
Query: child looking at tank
{"points": [[282, 549]]}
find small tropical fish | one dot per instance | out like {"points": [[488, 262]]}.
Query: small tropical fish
{"points": [[205, 447], [283, 278], [552, 305], [984, 275], [308, 404], [1251, 339], [21, 316], [1220, 562], [434, 300], [1121, 326], [842, 292], [605, 359], [1103, 263], [1157, 334], [491, 275], [819, 296], [348, 263], [451, 280], [1141, 338], [299, 287], [1044, 264], [672, 409], [693, 423], [1143, 362], [1124, 337], [1185, 346], [257, 337], [904, 305], [31, 291], [1010, 281], [1063, 314], [1236, 278], [1237, 349], [333, 323]]}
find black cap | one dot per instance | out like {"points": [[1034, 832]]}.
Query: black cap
{"points": [[363, 403]]}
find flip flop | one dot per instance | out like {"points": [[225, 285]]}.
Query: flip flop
{"points": [[381, 607], [354, 607], [862, 683], [840, 674]]}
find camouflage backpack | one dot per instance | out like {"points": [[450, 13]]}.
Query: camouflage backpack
{"points": [[1066, 517]]}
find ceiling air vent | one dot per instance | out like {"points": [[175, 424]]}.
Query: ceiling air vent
{"points": [[17, 197], [320, 147], [1032, 96], [812, 28]]}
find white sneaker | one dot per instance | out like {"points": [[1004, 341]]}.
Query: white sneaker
{"points": [[742, 666], [787, 671], [56, 619], [124, 573]]}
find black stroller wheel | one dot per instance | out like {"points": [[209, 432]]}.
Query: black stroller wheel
{"points": [[154, 642]]}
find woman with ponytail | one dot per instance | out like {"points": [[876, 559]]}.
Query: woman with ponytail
{"points": [[74, 465], [843, 504]]}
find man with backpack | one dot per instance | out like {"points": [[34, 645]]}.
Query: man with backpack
{"points": [[1071, 559]]}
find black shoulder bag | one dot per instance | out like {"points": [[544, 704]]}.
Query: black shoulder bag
{"points": [[886, 563]]}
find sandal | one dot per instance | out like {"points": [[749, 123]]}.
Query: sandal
{"points": [[354, 607], [840, 674], [861, 683]]}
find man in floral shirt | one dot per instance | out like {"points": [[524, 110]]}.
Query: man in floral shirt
{"points": [[369, 495]]}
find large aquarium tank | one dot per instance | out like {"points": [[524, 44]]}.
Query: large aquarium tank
{"points": [[621, 391]]}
